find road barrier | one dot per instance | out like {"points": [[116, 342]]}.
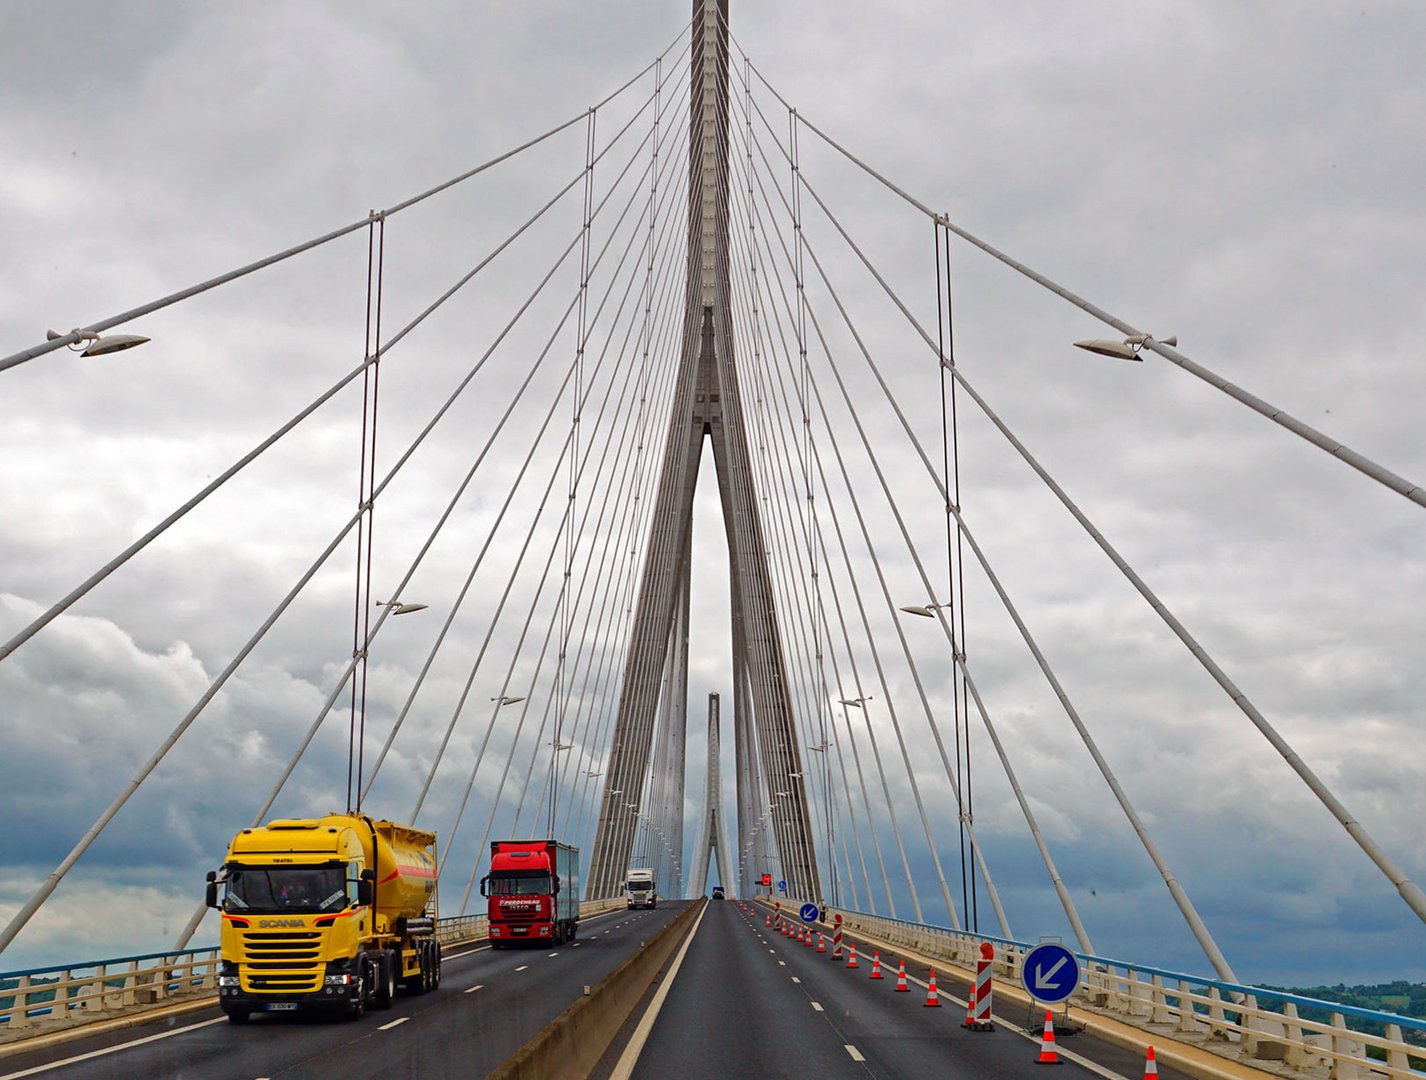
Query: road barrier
{"points": [[572, 1044]]}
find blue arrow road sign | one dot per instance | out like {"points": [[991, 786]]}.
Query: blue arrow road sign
{"points": [[1051, 973], [782, 886], [808, 912]]}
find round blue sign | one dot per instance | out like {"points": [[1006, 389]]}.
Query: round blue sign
{"points": [[809, 913], [1050, 973], [782, 886]]}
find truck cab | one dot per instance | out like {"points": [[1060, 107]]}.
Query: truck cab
{"points": [[640, 890], [533, 889]]}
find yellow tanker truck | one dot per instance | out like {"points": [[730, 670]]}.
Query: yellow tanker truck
{"points": [[325, 913]]}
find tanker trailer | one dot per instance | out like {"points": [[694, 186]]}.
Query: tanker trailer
{"points": [[331, 913]]}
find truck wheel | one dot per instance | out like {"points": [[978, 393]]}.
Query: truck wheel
{"points": [[573, 930], [385, 979], [436, 966], [239, 1016]]}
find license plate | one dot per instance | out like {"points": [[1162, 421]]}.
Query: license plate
{"points": [[282, 1006]]}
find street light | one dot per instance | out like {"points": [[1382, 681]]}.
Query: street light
{"points": [[100, 346], [856, 703], [1128, 349], [506, 700], [399, 607], [927, 610]]}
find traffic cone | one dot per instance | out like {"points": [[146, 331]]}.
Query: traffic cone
{"points": [[1047, 1042], [821, 942], [876, 964], [933, 996], [807, 937], [853, 961], [901, 980], [970, 1008], [1151, 1067]]}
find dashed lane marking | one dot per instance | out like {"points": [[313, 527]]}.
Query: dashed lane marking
{"points": [[782, 963], [522, 967], [111, 1049], [554, 954], [473, 989], [817, 1005], [796, 979], [856, 1054], [395, 1023]]}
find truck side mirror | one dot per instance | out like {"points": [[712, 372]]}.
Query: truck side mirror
{"points": [[482, 885], [557, 884], [366, 888], [210, 894]]}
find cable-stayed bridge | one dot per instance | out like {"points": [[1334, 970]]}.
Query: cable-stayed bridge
{"points": [[527, 481]]}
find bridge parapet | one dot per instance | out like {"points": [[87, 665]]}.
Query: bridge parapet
{"points": [[1246, 1024]]}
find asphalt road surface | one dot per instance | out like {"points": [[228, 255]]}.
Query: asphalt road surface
{"points": [[488, 1005], [749, 1002]]}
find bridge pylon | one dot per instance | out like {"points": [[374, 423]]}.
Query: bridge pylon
{"points": [[707, 406]]}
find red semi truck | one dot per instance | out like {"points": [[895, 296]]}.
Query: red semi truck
{"points": [[533, 888]]}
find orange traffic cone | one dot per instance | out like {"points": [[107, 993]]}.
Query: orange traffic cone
{"points": [[933, 996], [807, 937], [970, 1007], [853, 961], [821, 942], [1047, 1042], [1151, 1067], [901, 980], [876, 964]]}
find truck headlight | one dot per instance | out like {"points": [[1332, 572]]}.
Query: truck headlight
{"points": [[338, 980], [228, 980]]}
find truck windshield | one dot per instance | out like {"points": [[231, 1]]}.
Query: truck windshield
{"points": [[287, 888], [519, 883], [641, 886]]}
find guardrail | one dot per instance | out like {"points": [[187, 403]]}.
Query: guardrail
{"points": [[1230, 1019], [96, 989]]}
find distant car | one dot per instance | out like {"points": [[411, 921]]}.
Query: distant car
{"points": [[717, 892]]}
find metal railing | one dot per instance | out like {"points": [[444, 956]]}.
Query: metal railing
{"points": [[1233, 1020], [95, 989]]}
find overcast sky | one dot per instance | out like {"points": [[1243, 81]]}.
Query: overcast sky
{"points": [[1247, 177]]}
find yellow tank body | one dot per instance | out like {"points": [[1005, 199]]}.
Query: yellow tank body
{"points": [[405, 869]]}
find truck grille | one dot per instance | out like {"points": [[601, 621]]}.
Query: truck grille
{"points": [[282, 962]]}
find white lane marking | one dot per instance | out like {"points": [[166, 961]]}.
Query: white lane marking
{"points": [[796, 979], [111, 1049], [773, 951], [782, 963], [554, 954], [575, 945], [395, 1023], [635, 1047], [817, 1006], [468, 952], [477, 986], [522, 967], [856, 1054]]}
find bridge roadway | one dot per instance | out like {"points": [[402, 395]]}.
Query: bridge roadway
{"points": [[747, 1001], [458, 1031]]}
